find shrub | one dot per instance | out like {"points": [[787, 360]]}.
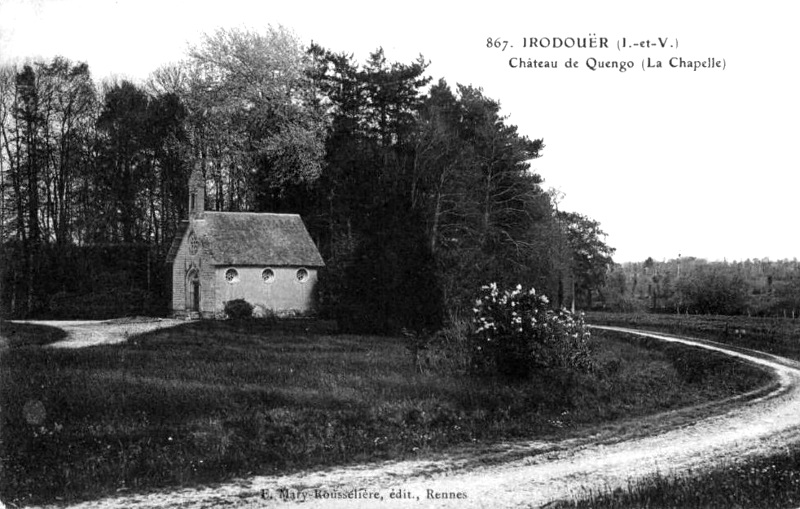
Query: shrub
{"points": [[264, 314], [516, 332], [446, 351], [450, 349], [238, 308]]}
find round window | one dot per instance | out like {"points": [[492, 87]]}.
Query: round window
{"points": [[302, 275], [268, 275], [194, 244], [231, 276]]}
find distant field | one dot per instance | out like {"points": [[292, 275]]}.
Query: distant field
{"points": [[210, 400], [779, 336]]}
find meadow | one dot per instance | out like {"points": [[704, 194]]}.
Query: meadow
{"points": [[208, 401]]}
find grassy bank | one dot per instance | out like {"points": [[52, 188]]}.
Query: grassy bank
{"points": [[778, 336], [766, 483], [209, 400]]}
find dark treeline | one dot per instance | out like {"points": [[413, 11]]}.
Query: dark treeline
{"points": [[697, 286], [416, 192]]}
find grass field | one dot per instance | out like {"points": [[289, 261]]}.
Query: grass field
{"points": [[210, 400]]}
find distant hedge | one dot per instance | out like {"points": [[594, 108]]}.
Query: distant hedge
{"points": [[86, 282]]}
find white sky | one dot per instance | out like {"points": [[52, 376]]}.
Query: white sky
{"points": [[702, 163]]}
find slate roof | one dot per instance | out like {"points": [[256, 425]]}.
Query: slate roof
{"points": [[249, 238]]}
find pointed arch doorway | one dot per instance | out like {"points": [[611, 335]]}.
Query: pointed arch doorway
{"points": [[193, 290]]}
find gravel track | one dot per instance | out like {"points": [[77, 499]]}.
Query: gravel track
{"points": [[527, 474], [81, 334]]}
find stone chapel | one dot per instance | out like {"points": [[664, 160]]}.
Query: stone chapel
{"points": [[269, 260]]}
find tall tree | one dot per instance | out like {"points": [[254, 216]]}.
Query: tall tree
{"points": [[346, 184], [168, 146], [30, 121], [486, 211], [13, 224], [45, 111], [125, 169], [251, 118], [72, 94], [441, 164], [365, 193], [591, 256]]}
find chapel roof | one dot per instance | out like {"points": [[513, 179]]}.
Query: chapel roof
{"points": [[250, 238]]}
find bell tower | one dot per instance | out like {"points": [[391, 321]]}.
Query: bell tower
{"points": [[197, 192]]}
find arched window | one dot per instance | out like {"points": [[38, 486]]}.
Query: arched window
{"points": [[268, 275], [194, 244]]}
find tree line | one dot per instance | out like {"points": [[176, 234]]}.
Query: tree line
{"points": [[416, 192], [698, 286]]}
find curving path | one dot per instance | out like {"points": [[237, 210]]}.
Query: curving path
{"points": [[83, 333], [530, 474]]}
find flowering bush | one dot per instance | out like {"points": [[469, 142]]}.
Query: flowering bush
{"points": [[517, 332]]}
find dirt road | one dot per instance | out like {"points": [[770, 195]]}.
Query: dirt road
{"points": [[528, 474], [85, 333]]}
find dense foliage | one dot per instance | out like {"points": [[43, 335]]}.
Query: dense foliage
{"points": [[90, 281], [416, 193]]}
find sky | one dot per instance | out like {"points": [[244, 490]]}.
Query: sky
{"points": [[671, 161]]}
